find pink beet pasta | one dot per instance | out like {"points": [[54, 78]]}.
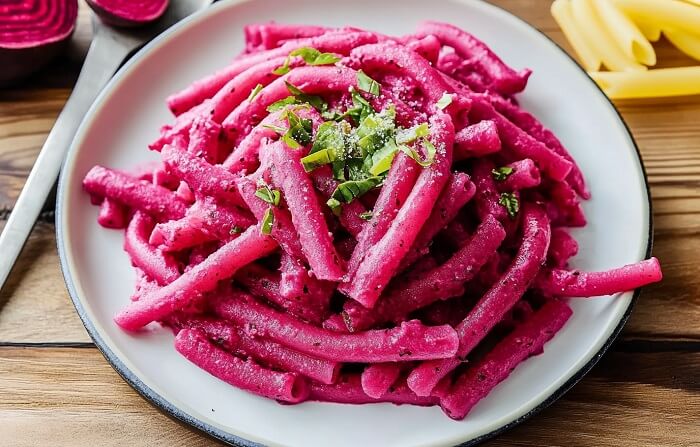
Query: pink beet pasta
{"points": [[345, 216]]}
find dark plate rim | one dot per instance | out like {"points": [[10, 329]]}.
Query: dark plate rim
{"points": [[171, 410]]}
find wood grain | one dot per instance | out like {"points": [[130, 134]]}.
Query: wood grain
{"points": [[625, 401], [55, 388]]}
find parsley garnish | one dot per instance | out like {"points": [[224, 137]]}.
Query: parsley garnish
{"points": [[298, 133], [502, 173], [444, 101], [300, 97], [314, 57], [267, 194], [267, 222], [348, 191], [511, 203], [254, 92], [367, 84], [281, 104]]}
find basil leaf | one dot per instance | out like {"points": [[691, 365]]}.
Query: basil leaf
{"points": [[278, 129], [254, 92], [502, 173], [284, 68], [367, 215], [268, 222], [281, 104], [269, 195], [430, 151], [299, 133], [317, 159], [314, 57], [367, 84], [348, 191], [510, 202], [293, 89], [444, 101], [315, 101], [404, 136], [383, 158]]}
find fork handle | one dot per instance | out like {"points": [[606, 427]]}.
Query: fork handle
{"points": [[101, 62]]}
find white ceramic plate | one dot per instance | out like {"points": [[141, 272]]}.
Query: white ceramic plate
{"points": [[127, 116]]}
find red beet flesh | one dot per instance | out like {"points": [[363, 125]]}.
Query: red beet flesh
{"points": [[32, 32], [128, 13]]}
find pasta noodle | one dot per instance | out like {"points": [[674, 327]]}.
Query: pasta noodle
{"points": [[563, 14], [625, 34], [337, 200], [684, 41], [612, 56], [670, 13], [660, 82]]}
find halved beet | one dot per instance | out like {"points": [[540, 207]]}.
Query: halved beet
{"points": [[32, 32], [128, 12]]}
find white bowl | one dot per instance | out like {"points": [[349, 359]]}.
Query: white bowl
{"points": [[127, 116]]}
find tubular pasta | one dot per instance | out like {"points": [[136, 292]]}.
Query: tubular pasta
{"points": [[684, 41], [563, 14], [678, 81], [595, 32], [625, 33]]}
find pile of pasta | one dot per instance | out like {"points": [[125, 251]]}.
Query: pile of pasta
{"points": [[346, 216], [617, 34]]}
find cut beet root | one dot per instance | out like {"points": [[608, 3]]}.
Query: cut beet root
{"points": [[128, 12], [32, 32]]}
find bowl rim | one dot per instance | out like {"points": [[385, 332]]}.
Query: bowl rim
{"points": [[171, 410]]}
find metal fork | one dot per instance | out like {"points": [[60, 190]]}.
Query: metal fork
{"points": [[110, 48]]}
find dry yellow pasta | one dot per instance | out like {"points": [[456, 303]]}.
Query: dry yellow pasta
{"points": [[663, 13], [650, 30], [694, 2], [600, 38], [562, 13], [625, 33], [653, 83], [686, 42]]}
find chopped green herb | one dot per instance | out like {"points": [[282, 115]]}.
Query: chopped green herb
{"points": [[315, 101], [382, 159], [254, 92], [346, 192], [284, 68], [281, 104], [430, 152], [278, 129], [502, 173], [367, 215], [314, 57], [293, 89], [267, 194], [316, 159], [444, 101], [268, 222], [511, 203], [376, 130], [405, 136], [299, 133], [367, 84], [235, 230]]}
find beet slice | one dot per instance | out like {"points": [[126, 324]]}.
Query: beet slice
{"points": [[128, 13], [32, 32]]}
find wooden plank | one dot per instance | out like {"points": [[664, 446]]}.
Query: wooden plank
{"points": [[34, 305], [69, 394]]}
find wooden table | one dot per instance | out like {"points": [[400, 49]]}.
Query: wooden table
{"points": [[57, 389]]}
